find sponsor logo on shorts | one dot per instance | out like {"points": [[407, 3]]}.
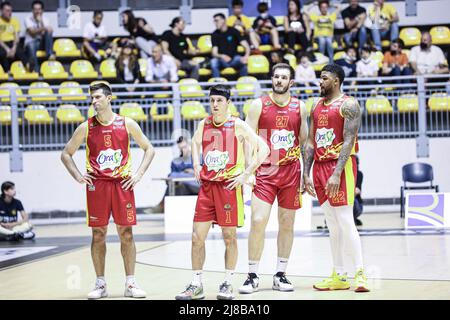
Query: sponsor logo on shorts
{"points": [[91, 187], [324, 137], [129, 205], [109, 159], [216, 160], [282, 139], [93, 218], [227, 206]]}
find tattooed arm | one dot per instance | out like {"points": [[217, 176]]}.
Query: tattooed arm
{"points": [[308, 157], [351, 112]]}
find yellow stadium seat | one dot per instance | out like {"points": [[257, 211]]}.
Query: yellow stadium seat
{"points": [[41, 54], [40, 91], [410, 36], [4, 91], [339, 55], [91, 111], [65, 47], [217, 80], [408, 103], [335, 45], [82, 69], [297, 47], [385, 43], [248, 84], [233, 110], [321, 61], [37, 114], [108, 68], [69, 113], [193, 110], [258, 64], [204, 72], [53, 70], [181, 73], [378, 104], [161, 117], [5, 115], [439, 101], [204, 44], [189, 88], [310, 103], [143, 66], [265, 48], [247, 105], [240, 49], [73, 90], [3, 74], [133, 111], [228, 72], [440, 35], [19, 72], [292, 60], [378, 56], [279, 20]]}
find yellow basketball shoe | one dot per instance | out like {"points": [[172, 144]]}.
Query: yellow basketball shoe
{"points": [[361, 281], [334, 282]]}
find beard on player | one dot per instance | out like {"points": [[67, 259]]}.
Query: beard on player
{"points": [[280, 89]]}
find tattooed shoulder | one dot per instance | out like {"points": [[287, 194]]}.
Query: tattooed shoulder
{"points": [[350, 109]]}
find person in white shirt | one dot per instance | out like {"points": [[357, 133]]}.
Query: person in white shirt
{"points": [[304, 73], [94, 37], [367, 66], [161, 67], [427, 58], [38, 35]]}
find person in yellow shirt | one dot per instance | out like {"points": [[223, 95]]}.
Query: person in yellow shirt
{"points": [[239, 21], [324, 27], [383, 21], [9, 37]]}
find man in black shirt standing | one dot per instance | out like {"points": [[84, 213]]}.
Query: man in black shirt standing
{"points": [[354, 16], [10, 226], [175, 44], [225, 41]]}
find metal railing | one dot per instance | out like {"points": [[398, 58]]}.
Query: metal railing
{"points": [[424, 110]]}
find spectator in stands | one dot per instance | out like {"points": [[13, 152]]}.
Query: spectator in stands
{"points": [[176, 45], [142, 33], [367, 67], [94, 37], [264, 29], [324, 27], [297, 28], [161, 68], [304, 73], [38, 35], [277, 57], [383, 22], [354, 16], [10, 49], [395, 62], [348, 62], [13, 227], [225, 41], [127, 67], [427, 58], [239, 21], [358, 204]]}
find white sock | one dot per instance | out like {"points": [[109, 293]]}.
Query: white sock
{"points": [[131, 279], [197, 278], [253, 266], [282, 264], [336, 237], [350, 233], [101, 280], [228, 275]]}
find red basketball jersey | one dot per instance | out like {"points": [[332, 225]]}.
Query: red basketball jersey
{"points": [[108, 149], [329, 130], [223, 156], [279, 127]]}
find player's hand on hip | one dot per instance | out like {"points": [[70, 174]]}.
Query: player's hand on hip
{"points": [[332, 187], [309, 186], [129, 182], [86, 178], [237, 181]]}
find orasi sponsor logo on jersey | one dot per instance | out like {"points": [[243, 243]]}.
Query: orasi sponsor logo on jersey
{"points": [[324, 137], [109, 159], [282, 139], [216, 160]]}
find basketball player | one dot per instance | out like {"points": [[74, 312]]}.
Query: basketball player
{"points": [[110, 182], [220, 137], [280, 120], [332, 144]]}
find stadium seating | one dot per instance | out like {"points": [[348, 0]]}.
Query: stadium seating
{"points": [[69, 113], [321, 61], [378, 105], [204, 44], [439, 101], [37, 114], [310, 103], [41, 54], [408, 103], [228, 72], [193, 110], [3, 74], [218, 80], [292, 60], [73, 89], [133, 111], [143, 66], [378, 56], [248, 84], [53, 70], [19, 72], [440, 35], [338, 55], [83, 69], [161, 117], [4, 91], [41, 91], [233, 110], [189, 88], [203, 72], [65, 47], [108, 69], [258, 64], [410, 36], [91, 111], [5, 115], [247, 105]]}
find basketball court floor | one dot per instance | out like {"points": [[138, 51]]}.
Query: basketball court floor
{"points": [[57, 265]]}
